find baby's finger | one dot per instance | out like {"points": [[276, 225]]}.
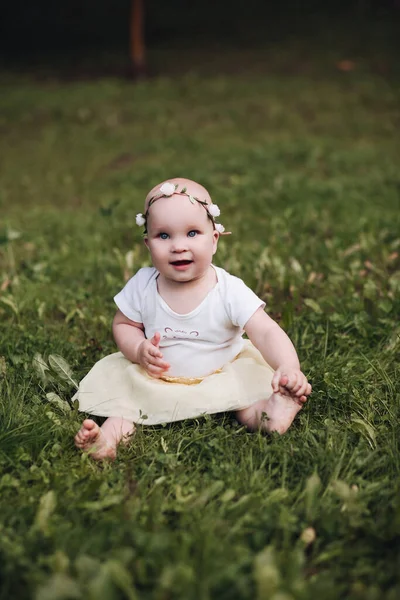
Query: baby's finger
{"points": [[301, 382], [275, 381], [155, 340], [283, 380], [291, 381], [155, 352], [154, 370], [309, 389], [158, 362], [154, 360], [302, 388]]}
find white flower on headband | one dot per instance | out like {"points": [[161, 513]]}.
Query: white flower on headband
{"points": [[140, 220], [220, 228], [167, 189], [213, 209]]}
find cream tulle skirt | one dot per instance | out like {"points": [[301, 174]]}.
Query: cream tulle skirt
{"points": [[115, 387]]}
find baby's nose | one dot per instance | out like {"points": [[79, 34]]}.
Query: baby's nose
{"points": [[180, 245]]}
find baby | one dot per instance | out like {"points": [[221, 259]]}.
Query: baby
{"points": [[179, 328]]}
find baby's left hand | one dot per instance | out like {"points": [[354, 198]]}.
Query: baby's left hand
{"points": [[291, 382]]}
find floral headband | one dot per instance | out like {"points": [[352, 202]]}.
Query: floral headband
{"points": [[169, 189]]}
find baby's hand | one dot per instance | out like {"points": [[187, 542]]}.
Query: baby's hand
{"points": [[150, 357], [291, 382]]}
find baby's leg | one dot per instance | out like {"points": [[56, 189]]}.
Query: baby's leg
{"points": [[101, 442], [279, 408]]}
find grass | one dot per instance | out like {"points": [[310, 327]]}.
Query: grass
{"points": [[305, 169]]}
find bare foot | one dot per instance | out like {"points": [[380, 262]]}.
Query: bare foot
{"points": [[281, 410], [91, 439]]}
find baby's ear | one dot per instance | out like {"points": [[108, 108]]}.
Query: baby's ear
{"points": [[146, 241], [215, 241]]}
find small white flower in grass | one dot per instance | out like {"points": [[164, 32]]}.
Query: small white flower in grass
{"points": [[140, 220], [220, 228], [167, 189], [214, 211], [308, 536]]}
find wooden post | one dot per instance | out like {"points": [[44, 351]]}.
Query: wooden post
{"points": [[137, 42]]}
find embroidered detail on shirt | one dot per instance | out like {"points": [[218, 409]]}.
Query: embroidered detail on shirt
{"points": [[173, 334]]}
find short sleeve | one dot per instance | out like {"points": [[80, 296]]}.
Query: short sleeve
{"points": [[241, 301], [131, 299]]}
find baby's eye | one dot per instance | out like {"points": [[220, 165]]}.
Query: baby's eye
{"points": [[163, 235], [192, 233]]}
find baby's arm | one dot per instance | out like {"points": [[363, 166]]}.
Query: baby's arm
{"points": [[279, 352], [131, 341]]}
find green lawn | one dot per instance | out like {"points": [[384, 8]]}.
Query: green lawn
{"points": [[305, 168]]}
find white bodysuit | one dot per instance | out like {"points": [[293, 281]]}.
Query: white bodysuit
{"points": [[202, 341]]}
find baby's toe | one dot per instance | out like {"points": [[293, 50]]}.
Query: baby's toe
{"points": [[78, 440], [81, 434]]}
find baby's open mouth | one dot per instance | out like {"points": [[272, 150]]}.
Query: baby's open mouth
{"points": [[179, 263]]}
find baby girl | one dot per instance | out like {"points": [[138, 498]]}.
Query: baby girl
{"points": [[179, 328]]}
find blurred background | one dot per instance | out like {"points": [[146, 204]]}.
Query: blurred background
{"points": [[85, 38]]}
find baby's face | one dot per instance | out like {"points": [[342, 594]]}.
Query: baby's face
{"points": [[181, 238]]}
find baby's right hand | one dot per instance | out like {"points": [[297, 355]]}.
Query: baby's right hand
{"points": [[150, 357]]}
